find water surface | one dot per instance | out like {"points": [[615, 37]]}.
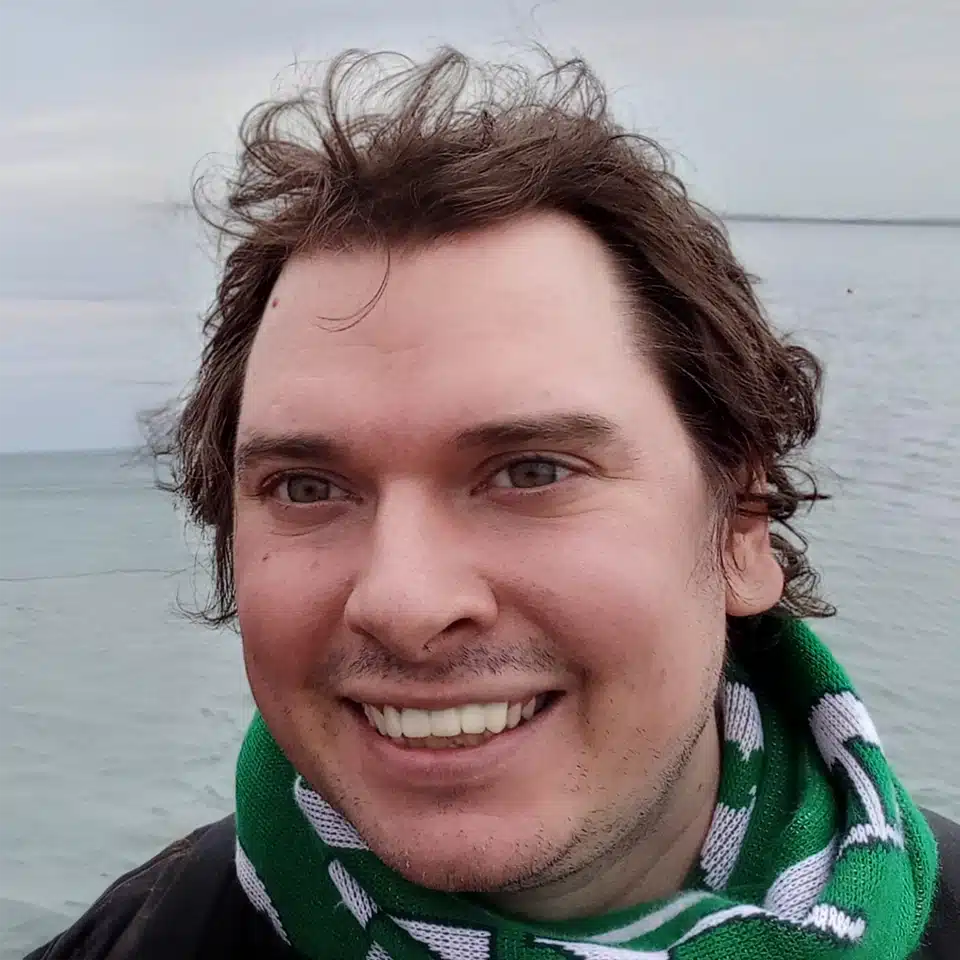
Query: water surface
{"points": [[121, 720]]}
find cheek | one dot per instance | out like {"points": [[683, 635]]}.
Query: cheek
{"points": [[638, 619], [615, 596], [289, 603]]}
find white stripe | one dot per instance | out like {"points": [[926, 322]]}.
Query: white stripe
{"points": [[334, 829], [832, 919], [741, 719], [795, 891], [354, 897], [255, 890], [653, 920], [720, 917], [724, 843], [594, 951], [864, 833], [836, 720], [450, 943]]}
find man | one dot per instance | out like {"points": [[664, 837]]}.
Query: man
{"points": [[495, 445]]}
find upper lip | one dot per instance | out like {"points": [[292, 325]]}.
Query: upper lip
{"points": [[442, 699]]}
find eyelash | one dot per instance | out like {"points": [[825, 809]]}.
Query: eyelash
{"points": [[272, 484], [531, 491]]}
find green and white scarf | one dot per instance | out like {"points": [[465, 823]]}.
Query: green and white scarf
{"points": [[815, 850]]}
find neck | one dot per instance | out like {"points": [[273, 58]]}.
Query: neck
{"points": [[651, 863]]}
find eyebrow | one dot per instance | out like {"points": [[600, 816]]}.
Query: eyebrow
{"points": [[300, 447], [568, 429]]}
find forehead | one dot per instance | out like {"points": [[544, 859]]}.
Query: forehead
{"points": [[503, 322]]}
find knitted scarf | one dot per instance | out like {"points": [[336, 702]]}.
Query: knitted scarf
{"points": [[815, 850]]}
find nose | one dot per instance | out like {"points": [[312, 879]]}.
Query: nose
{"points": [[418, 586]]}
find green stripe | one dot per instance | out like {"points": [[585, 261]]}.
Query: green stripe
{"points": [[801, 803]]}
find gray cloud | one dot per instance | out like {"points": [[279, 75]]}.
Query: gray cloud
{"points": [[808, 106]]}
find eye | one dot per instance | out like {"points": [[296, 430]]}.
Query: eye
{"points": [[530, 473], [304, 489]]}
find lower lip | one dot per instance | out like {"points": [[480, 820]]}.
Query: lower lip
{"points": [[451, 766]]}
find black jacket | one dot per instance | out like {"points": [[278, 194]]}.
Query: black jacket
{"points": [[186, 904]]}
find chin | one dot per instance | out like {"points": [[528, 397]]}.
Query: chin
{"points": [[457, 874], [458, 862]]}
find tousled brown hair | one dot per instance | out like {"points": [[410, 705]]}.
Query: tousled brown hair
{"points": [[388, 157]]}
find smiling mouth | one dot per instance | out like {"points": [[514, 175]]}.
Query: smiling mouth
{"points": [[470, 725]]}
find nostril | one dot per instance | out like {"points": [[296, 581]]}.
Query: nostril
{"points": [[459, 626]]}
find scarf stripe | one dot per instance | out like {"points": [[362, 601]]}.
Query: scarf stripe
{"points": [[842, 867]]}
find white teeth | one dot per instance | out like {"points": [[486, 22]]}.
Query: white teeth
{"points": [[445, 723], [415, 723], [495, 715], [472, 718], [391, 718], [376, 718]]}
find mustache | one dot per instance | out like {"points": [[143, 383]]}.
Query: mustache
{"points": [[466, 662]]}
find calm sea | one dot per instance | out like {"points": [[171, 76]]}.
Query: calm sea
{"points": [[120, 721]]}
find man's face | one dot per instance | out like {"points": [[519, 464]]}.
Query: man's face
{"points": [[475, 500]]}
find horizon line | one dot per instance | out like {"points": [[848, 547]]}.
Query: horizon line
{"points": [[851, 221], [177, 206]]}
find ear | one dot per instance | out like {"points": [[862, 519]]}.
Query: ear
{"points": [[754, 578]]}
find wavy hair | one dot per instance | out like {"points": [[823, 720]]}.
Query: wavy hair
{"points": [[388, 152]]}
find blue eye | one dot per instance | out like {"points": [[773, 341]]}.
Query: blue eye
{"points": [[529, 474]]}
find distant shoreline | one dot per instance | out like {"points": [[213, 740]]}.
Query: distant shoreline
{"points": [[178, 207], [843, 221]]}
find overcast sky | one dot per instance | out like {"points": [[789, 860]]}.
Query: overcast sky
{"points": [[825, 107]]}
